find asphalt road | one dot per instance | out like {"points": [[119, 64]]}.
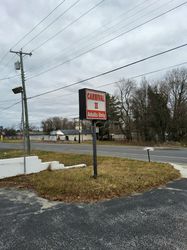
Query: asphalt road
{"points": [[150, 221], [177, 155]]}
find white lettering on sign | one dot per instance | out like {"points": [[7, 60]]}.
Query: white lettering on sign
{"points": [[95, 105]]}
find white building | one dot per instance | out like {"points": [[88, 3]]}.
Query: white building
{"points": [[57, 135], [62, 135]]}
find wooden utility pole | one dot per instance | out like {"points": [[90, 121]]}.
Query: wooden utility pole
{"points": [[20, 54]]}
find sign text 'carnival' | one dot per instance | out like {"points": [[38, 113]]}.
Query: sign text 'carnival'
{"points": [[92, 104]]}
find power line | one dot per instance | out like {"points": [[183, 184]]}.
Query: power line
{"points": [[93, 34], [77, 19], [38, 23], [147, 73], [56, 19], [111, 71], [5, 55], [23, 37], [136, 76], [3, 101], [126, 25], [110, 40], [125, 13], [14, 104], [111, 83], [8, 77]]}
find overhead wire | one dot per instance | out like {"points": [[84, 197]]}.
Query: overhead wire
{"points": [[8, 77], [111, 71], [12, 105], [134, 77], [159, 53], [105, 34], [126, 18], [49, 25], [61, 15], [147, 73], [38, 24], [5, 101], [70, 24], [90, 36], [30, 31], [109, 28], [112, 83], [109, 40], [131, 77], [124, 14]]}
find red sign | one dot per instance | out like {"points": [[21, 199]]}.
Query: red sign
{"points": [[95, 105]]}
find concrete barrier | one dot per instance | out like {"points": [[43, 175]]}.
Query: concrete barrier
{"points": [[76, 166], [15, 166]]}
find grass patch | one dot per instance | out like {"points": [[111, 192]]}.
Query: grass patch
{"points": [[117, 177], [139, 143], [5, 140], [65, 158]]}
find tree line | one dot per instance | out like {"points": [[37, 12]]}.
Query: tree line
{"points": [[150, 110], [60, 123]]}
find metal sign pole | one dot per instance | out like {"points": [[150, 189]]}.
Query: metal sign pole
{"points": [[148, 154], [94, 149], [23, 125], [148, 149]]}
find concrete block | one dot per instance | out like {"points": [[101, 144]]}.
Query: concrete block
{"points": [[15, 166], [55, 165]]}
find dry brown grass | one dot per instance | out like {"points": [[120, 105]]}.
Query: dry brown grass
{"points": [[117, 177]]}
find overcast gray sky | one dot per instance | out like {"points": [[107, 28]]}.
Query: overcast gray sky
{"points": [[107, 20]]}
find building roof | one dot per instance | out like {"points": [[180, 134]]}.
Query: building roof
{"points": [[74, 132], [69, 132], [56, 132]]}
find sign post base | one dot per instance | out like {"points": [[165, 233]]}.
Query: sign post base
{"points": [[94, 149]]}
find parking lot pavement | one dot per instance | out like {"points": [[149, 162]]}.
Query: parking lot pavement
{"points": [[156, 220]]}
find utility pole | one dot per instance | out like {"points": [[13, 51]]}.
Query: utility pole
{"points": [[20, 54]]}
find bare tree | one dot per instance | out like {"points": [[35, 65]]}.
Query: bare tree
{"points": [[154, 110], [55, 123], [158, 112], [177, 85], [47, 125], [140, 111], [124, 94]]}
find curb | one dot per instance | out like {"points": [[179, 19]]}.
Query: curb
{"points": [[182, 169]]}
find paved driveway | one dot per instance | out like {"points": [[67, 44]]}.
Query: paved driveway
{"points": [[154, 220]]}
